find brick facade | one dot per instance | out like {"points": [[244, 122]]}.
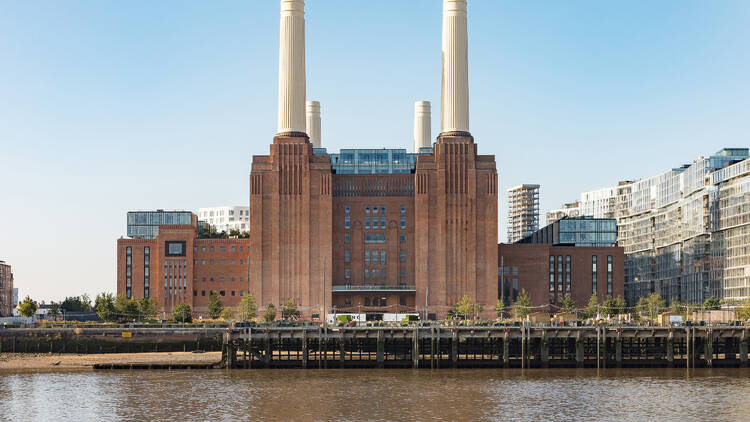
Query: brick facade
{"points": [[299, 230], [529, 264]]}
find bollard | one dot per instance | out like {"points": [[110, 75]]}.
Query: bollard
{"points": [[506, 350], [709, 348], [454, 348], [415, 348], [544, 349], [670, 350], [304, 349], [342, 350], [381, 350]]}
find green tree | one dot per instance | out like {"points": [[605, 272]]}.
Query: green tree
{"points": [[592, 308], [248, 309], [621, 306], [742, 311], [214, 305], [147, 308], [499, 308], [270, 313], [72, 304], [104, 305], [27, 307], [465, 307], [711, 304], [86, 303], [522, 305], [289, 310], [53, 311], [126, 309], [654, 304], [676, 306], [568, 304], [608, 307], [182, 313]]}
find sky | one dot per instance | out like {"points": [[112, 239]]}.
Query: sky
{"points": [[107, 107]]}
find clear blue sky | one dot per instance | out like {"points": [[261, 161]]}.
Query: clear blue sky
{"points": [[113, 106]]}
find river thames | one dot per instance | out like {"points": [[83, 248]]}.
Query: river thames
{"points": [[466, 394]]}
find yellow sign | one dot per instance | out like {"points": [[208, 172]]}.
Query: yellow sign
{"points": [[127, 334]]}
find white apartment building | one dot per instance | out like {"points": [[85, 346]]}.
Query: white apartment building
{"points": [[226, 218], [685, 231], [572, 209], [599, 203]]}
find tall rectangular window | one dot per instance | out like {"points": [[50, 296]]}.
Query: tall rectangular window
{"points": [[567, 273], [347, 256], [402, 238], [551, 273], [402, 273], [593, 274], [367, 257], [382, 257], [559, 273], [146, 271], [347, 273], [375, 258], [347, 222], [367, 209], [374, 222], [367, 222], [403, 209], [128, 272], [347, 237], [347, 209], [403, 221], [609, 275], [382, 222], [367, 273]]}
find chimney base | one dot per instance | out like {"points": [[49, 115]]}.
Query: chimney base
{"points": [[454, 134], [291, 137]]}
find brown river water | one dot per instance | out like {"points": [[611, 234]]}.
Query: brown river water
{"points": [[378, 395]]}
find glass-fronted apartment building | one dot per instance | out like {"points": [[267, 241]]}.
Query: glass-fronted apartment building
{"points": [[576, 231], [686, 231]]}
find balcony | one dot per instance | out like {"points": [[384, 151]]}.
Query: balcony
{"points": [[373, 288]]}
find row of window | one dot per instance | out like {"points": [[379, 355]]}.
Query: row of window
{"points": [[374, 208], [221, 262], [221, 248], [375, 224], [221, 293], [221, 279], [375, 301]]}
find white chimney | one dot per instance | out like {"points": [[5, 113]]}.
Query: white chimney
{"points": [[313, 122], [455, 91], [422, 124], [292, 67]]}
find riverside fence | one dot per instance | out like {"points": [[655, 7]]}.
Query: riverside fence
{"points": [[491, 347]]}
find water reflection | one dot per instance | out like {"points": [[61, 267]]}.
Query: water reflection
{"points": [[531, 395]]}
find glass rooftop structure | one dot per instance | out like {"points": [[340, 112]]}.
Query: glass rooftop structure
{"points": [[373, 161], [576, 231], [145, 224]]}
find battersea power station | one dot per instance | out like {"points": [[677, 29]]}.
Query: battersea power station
{"points": [[371, 231]]}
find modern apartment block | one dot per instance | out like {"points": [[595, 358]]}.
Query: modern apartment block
{"points": [[6, 290], [572, 209], [574, 257], [226, 218], [523, 211], [684, 230]]}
